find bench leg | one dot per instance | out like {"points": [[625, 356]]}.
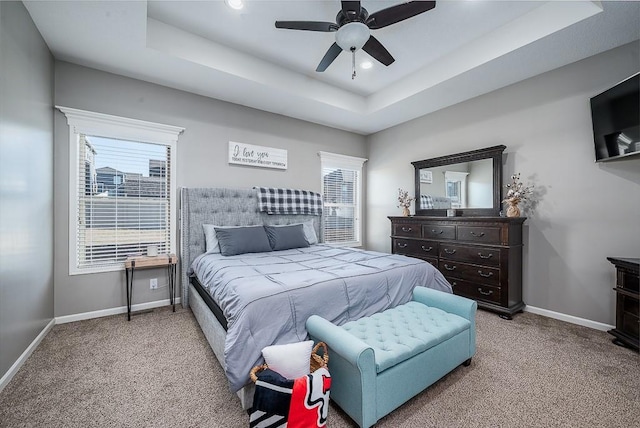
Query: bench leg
{"points": [[467, 363]]}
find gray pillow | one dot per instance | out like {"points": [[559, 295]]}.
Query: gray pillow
{"points": [[240, 240], [286, 237], [211, 239], [309, 230]]}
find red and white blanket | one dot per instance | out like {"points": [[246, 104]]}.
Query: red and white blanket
{"points": [[291, 403]]}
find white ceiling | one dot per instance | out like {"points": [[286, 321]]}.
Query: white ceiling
{"points": [[459, 50]]}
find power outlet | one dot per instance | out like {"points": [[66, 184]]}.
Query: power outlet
{"points": [[153, 283]]}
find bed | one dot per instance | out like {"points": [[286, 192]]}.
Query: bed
{"points": [[337, 283], [428, 202]]}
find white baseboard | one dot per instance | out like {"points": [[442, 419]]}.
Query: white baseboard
{"points": [[27, 352], [113, 311], [569, 318]]}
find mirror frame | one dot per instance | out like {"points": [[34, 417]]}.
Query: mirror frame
{"points": [[494, 153]]}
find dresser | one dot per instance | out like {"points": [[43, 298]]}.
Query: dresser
{"points": [[481, 257], [627, 331]]}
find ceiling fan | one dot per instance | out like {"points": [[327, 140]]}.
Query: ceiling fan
{"points": [[353, 29]]}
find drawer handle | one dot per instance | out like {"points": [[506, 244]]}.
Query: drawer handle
{"points": [[453, 284], [485, 257], [447, 267], [449, 251], [436, 232], [426, 249], [406, 229], [485, 293], [402, 245], [485, 275], [477, 235]]}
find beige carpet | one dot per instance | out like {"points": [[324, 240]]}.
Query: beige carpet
{"points": [[158, 371]]}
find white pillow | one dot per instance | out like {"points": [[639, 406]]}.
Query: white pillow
{"points": [[210, 239], [211, 244], [291, 361], [309, 232]]}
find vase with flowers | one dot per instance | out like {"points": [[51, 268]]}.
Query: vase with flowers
{"points": [[404, 201], [517, 193]]}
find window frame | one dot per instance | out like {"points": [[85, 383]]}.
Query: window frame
{"points": [[459, 180], [122, 128], [335, 160]]}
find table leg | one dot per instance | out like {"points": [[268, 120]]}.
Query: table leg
{"points": [[129, 292], [172, 285]]}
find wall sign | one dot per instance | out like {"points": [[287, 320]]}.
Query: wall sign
{"points": [[426, 176], [250, 155]]}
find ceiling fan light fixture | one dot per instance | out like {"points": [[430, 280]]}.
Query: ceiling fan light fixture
{"points": [[235, 4], [352, 35]]}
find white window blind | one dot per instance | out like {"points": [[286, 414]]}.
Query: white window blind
{"points": [[123, 200], [342, 195], [122, 190]]}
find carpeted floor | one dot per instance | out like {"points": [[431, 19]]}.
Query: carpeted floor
{"points": [[158, 371]]}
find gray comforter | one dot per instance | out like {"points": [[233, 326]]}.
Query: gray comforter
{"points": [[267, 297]]}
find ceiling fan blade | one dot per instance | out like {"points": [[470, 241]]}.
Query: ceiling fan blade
{"points": [[374, 48], [351, 9], [393, 14], [328, 58], [308, 25]]}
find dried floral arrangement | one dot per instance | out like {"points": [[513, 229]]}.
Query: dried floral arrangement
{"points": [[517, 190], [404, 200]]}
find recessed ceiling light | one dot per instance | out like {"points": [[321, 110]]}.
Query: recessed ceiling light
{"points": [[366, 65], [234, 4]]}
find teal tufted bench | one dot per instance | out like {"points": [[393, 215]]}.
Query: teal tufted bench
{"points": [[379, 362]]}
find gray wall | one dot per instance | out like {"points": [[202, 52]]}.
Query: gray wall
{"points": [[26, 187], [201, 162], [585, 211]]}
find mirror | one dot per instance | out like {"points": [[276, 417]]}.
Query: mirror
{"points": [[468, 182]]}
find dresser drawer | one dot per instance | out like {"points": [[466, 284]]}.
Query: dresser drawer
{"points": [[473, 273], [478, 255], [468, 289], [436, 231], [415, 247], [401, 246], [485, 234], [432, 260], [409, 230]]}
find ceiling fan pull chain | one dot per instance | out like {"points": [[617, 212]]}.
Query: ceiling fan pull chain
{"points": [[353, 63]]}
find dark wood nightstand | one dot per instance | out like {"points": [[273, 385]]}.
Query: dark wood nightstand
{"points": [[146, 262], [627, 302]]}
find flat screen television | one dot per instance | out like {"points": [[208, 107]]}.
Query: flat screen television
{"points": [[615, 114]]}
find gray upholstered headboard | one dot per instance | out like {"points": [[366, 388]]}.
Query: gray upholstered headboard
{"points": [[222, 207]]}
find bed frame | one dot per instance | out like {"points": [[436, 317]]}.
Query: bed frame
{"points": [[223, 207]]}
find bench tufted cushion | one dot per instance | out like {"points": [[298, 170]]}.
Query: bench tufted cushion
{"points": [[399, 333]]}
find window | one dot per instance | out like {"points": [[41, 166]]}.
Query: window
{"points": [[456, 188], [342, 196], [122, 194]]}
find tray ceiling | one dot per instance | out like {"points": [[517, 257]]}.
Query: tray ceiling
{"points": [[459, 50]]}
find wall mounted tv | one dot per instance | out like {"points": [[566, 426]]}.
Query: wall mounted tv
{"points": [[615, 114]]}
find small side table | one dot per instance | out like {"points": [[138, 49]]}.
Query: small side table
{"points": [[145, 262], [627, 331]]}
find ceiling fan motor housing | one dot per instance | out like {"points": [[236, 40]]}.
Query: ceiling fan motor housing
{"points": [[342, 18]]}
